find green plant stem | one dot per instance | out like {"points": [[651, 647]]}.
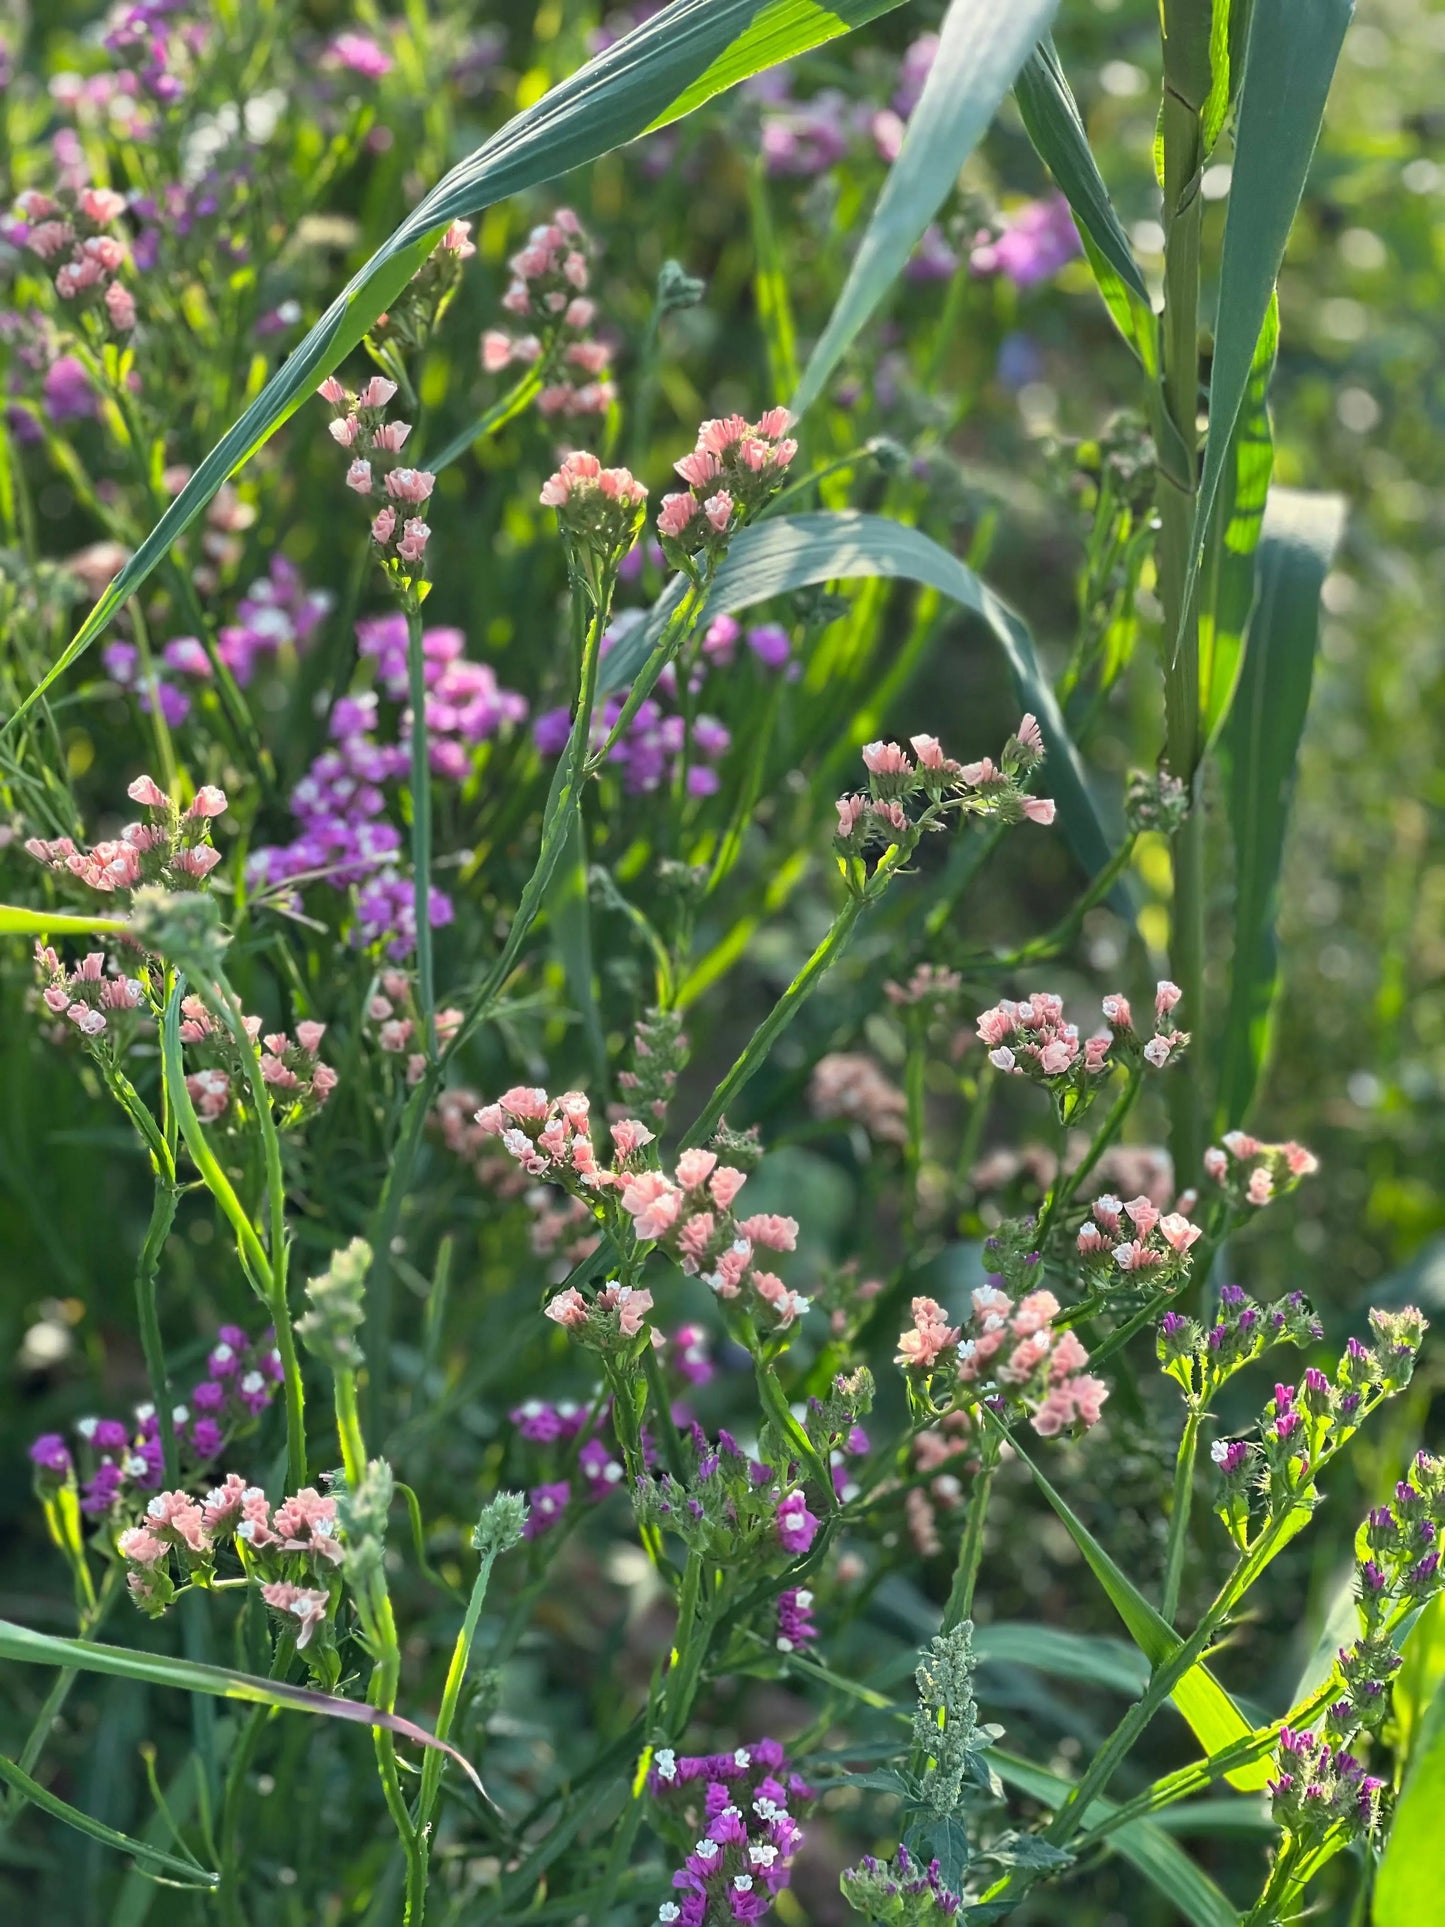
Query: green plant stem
{"points": [[163, 1213], [1265, 1911], [1179, 1515], [970, 1549], [433, 1764], [421, 830], [231, 1857], [1064, 1191]]}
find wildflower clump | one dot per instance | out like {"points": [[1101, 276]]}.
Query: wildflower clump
{"points": [[550, 278], [901, 1890], [1252, 1174], [1134, 1238], [171, 848], [1201, 1358], [296, 1080], [71, 233], [741, 1803], [377, 474], [736, 467], [1009, 1353], [908, 796]]}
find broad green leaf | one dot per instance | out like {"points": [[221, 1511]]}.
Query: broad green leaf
{"points": [[15, 922], [1257, 750], [1289, 60], [189, 1872], [27, 1648], [1161, 1860], [662, 70], [1421, 1674], [792, 552], [1207, 1708], [1227, 586], [981, 47], [1051, 117], [1063, 1655], [1407, 1888]]}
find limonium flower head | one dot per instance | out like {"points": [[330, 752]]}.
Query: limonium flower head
{"points": [[172, 849], [69, 233], [1033, 245], [914, 790], [598, 509], [1120, 1241], [374, 472], [743, 1805], [1252, 1173], [736, 467]]}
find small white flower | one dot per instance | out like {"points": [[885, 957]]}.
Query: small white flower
{"points": [[742, 1759], [253, 1382], [668, 1912], [1219, 1451], [86, 1427], [144, 1412], [762, 1853], [136, 1466], [743, 1882], [706, 1849], [180, 1414], [666, 1763]]}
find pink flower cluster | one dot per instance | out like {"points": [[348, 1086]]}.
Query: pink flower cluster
{"points": [[689, 1214], [925, 780], [298, 1081], [377, 472], [1031, 1039], [618, 1311], [1136, 1236], [394, 1017], [283, 1549], [1253, 1173], [76, 226], [86, 997], [173, 849], [550, 276], [736, 466], [600, 508], [1166, 1043], [1011, 1351], [1032, 246]]}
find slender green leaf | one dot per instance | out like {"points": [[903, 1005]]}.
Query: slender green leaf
{"points": [[569, 917], [666, 67], [27, 1648], [1407, 1888], [1161, 1860], [15, 922], [189, 1871], [1258, 749], [1215, 1719], [1085, 1657], [1289, 61], [1051, 117], [1227, 587], [981, 47], [792, 552], [1420, 1677]]}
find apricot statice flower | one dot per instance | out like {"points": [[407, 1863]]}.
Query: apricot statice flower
{"points": [[1135, 1237], [550, 278], [171, 849], [928, 1338], [378, 475], [910, 794], [1011, 1352], [736, 467], [1164, 1045], [70, 233], [599, 509], [94, 997], [1253, 1173], [851, 1087]]}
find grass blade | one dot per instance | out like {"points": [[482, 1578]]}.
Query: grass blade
{"points": [[1063, 1655], [981, 47], [1053, 123], [1213, 1716], [191, 1872], [792, 552], [1257, 750], [662, 70], [1161, 1860], [27, 1648], [1288, 65]]}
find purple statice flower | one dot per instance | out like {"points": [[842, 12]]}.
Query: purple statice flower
{"points": [[933, 259], [913, 71], [796, 1630], [801, 139], [602, 1472], [359, 54], [51, 1455], [122, 665], [797, 1526], [1039, 240], [66, 391], [770, 643], [278, 612], [543, 1424], [689, 1354], [548, 1503]]}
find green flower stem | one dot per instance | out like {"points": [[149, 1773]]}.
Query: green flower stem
{"points": [[492, 420], [433, 1764], [915, 1067], [421, 830], [163, 1213], [776, 1406], [1179, 1515], [232, 1854], [1265, 1911], [667, 1429], [970, 1550], [1062, 1193]]}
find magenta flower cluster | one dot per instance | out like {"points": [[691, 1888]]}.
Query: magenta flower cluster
{"points": [[742, 1859]]}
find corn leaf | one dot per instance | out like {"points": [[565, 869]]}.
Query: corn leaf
{"points": [[1145, 1844], [1053, 123], [29, 1648], [1288, 65], [1257, 751], [1407, 1887], [1063, 1655], [791, 552], [690, 51], [1208, 1709], [981, 47]]}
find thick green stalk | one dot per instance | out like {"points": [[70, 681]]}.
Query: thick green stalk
{"points": [[1186, 25], [1179, 1516], [970, 1550], [421, 830]]}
